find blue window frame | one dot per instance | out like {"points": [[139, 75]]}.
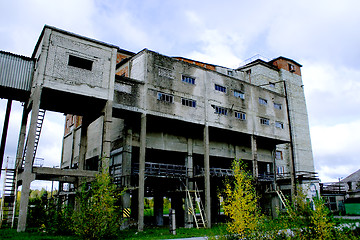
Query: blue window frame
{"points": [[187, 79], [188, 102], [220, 88]]}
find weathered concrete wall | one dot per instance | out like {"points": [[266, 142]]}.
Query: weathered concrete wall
{"points": [[92, 79]]}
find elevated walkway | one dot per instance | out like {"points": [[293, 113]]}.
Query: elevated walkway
{"points": [[16, 73]]}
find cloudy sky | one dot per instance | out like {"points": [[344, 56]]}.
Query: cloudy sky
{"points": [[321, 35]]}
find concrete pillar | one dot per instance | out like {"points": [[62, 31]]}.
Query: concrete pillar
{"points": [[27, 175], [22, 136], [189, 219], [254, 156], [142, 173], [126, 171], [83, 143], [106, 137], [207, 176], [158, 208], [4, 132]]}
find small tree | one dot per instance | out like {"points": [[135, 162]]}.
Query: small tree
{"points": [[97, 216], [241, 202]]}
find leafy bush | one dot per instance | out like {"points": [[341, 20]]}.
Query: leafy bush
{"points": [[241, 203], [97, 216]]}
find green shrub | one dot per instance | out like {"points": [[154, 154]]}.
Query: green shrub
{"points": [[97, 216]]}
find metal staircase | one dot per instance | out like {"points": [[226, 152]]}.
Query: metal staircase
{"points": [[7, 208], [39, 124], [195, 205]]}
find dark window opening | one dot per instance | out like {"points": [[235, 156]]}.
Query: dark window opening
{"points": [[220, 88], [80, 62], [187, 79], [188, 102], [165, 97], [264, 121], [220, 110], [240, 115]]}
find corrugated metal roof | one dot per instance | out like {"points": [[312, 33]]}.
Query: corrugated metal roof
{"points": [[16, 71]]}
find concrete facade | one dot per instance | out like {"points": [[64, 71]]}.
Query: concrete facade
{"points": [[165, 125], [202, 117]]}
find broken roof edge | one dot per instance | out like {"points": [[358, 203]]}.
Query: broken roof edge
{"points": [[77, 36]]}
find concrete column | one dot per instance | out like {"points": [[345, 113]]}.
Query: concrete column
{"points": [[22, 136], [27, 175], [126, 171], [106, 137], [254, 156], [4, 132], [142, 173], [189, 219], [207, 175], [158, 208], [83, 143]]}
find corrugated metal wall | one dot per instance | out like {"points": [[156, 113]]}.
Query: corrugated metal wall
{"points": [[16, 71]]}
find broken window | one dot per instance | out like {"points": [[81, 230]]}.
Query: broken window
{"points": [[79, 62], [188, 102], [239, 94], [264, 121], [279, 125], [187, 79], [165, 97], [220, 88], [277, 106], [240, 115], [262, 101]]}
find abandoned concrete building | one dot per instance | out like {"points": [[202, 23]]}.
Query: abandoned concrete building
{"points": [[163, 126]]}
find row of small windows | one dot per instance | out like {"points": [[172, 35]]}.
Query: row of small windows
{"points": [[170, 99], [218, 110], [263, 101], [188, 102], [220, 88], [224, 111], [266, 121], [187, 79]]}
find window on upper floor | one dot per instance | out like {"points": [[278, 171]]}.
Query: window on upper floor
{"points": [[188, 102], [240, 115], [264, 121], [220, 110], [165, 97], [291, 67], [279, 125], [79, 62], [278, 106], [230, 73], [239, 94], [220, 88], [278, 155], [188, 79], [262, 101]]}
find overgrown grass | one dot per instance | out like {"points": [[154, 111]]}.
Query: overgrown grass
{"points": [[148, 233]]}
